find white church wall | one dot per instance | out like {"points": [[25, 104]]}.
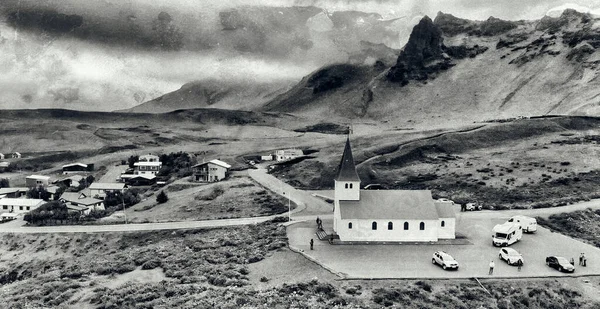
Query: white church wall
{"points": [[448, 231], [362, 230]]}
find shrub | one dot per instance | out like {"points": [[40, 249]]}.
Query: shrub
{"points": [[162, 197], [264, 279]]}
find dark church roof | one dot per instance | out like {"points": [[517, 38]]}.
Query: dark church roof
{"points": [[347, 170]]}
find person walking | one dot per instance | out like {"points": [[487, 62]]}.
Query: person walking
{"points": [[520, 264], [491, 267], [581, 259], [584, 260], [312, 242], [572, 261]]}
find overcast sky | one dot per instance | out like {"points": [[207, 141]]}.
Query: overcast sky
{"points": [[45, 71]]}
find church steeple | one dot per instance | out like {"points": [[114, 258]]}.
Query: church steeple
{"points": [[347, 182], [347, 169]]}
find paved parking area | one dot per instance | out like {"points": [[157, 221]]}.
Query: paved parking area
{"points": [[414, 261]]}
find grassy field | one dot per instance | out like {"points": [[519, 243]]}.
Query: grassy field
{"points": [[235, 267], [236, 197], [583, 224]]}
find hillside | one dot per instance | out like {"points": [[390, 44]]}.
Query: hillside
{"points": [[456, 69]]}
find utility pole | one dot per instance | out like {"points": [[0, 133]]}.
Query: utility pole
{"points": [[124, 213]]}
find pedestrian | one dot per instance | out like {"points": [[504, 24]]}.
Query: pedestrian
{"points": [[572, 261], [492, 267], [581, 259], [463, 207], [584, 260], [519, 264], [312, 242]]}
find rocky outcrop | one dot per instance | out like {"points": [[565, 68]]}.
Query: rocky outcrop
{"points": [[569, 16], [451, 25], [422, 54]]}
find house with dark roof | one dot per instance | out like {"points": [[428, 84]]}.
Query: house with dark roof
{"points": [[213, 170], [77, 201], [386, 215]]}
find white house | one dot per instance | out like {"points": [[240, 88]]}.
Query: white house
{"points": [[386, 215], [99, 189], [214, 170], [80, 202], [16, 155], [287, 154], [35, 181], [20, 205], [74, 168]]}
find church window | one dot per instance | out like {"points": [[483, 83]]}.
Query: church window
{"points": [[374, 225], [390, 226], [443, 223], [349, 225], [346, 186], [406, 226], [350, 186], [422, 226]]}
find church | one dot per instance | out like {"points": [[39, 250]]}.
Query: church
{"points": [[386, 215]]}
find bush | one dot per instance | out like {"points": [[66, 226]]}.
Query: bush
{"points": [[162, 197]]}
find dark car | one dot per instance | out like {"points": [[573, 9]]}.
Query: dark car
{"points": [[560, 263]]}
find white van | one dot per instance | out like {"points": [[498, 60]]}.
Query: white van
{"points": [[528, 224], [506, 234]]}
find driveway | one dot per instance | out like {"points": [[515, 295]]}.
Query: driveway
{"points": [[112, 173]]}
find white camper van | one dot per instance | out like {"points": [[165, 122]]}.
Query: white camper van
{"points": [[528, 224], [506, 234]]}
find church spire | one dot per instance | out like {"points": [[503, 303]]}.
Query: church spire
{"points": [[347, 169]]}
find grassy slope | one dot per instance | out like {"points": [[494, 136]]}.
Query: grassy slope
{"points": [[219, 268], [584, 225], [535, 162]]}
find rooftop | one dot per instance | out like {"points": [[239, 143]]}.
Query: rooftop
{"points": [[391, 204], [217, 162], [38, 177], [145, 163], [21, 201], [444, 210], [347, 169], [75, 164], [107, 186]]}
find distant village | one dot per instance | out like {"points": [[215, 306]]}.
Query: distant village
{"points": [[74, 189]]}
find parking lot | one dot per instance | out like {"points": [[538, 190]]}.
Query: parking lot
{"points": [[414, 261]]}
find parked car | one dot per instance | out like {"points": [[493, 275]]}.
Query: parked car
{"points": [[511, 256], [445, 260], [560, 263], [528, 224], [445, 200], [473, 206]]}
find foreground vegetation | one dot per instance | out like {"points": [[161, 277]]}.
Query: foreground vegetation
{"points": [[212, 269], [582, 224]]}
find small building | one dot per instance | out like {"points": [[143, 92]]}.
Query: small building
{"points": [[287, 154], [99, 189], [146, 167], [75, 168], [35, 181], [266, 158], [82, 203], [71, 181], [20, 205], [13, 192], [149, 158], [52, 191], [4, 164], [15, 155], [214, 170], [1, 156], [141, 180]]}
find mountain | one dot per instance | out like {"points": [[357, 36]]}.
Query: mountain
{"points": [[452, 68], [212, 94]]}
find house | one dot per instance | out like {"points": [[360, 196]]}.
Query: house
{"points": [[287, 154], [386, 215], [52, 190], [71, 181], [266, 158], [15, 155], [80, 202], [141, 180], [1, 156], [20, 205], [147, 165], [35, 181], [99, 189], [13, 192], [214, 170], [76, 168]]}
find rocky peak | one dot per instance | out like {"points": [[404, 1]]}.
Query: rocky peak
{"points": [[451, 25]]}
